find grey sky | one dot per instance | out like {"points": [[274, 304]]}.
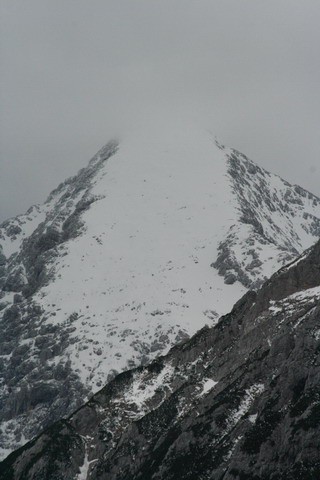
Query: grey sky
{"points": [[77, 72]]}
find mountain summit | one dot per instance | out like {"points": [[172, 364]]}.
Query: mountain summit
{"points": [[157, 237]]}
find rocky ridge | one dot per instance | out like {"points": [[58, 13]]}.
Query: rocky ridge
{"points": [[123, 261], [240, 400]]}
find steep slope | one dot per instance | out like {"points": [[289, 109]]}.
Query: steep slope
{"points": [[240, 400], [157, 237]]}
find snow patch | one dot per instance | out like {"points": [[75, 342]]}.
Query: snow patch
{"points": [[253, 418], [142, 390], [250, 395], [316, 334], [207, 386]]}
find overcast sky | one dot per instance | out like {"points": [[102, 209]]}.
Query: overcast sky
{"points": [[77, 72]]}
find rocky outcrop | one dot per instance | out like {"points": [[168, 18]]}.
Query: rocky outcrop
{"points": [[239, 401], [263, 200]]}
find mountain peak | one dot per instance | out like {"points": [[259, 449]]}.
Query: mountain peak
{"points": [[160, 235]]}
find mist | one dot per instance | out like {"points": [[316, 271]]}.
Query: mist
{"points": [[77, 73]]}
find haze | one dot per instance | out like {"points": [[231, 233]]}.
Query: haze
{"points": [[76, 73]]}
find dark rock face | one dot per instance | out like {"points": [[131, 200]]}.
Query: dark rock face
{"points": [[238, 401]]}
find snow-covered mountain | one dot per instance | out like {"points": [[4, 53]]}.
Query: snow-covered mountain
{"points": [[157, 237], [240, 400]]}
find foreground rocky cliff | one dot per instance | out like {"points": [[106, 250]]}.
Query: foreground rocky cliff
{"points": [[240, 400], [158, 236]]}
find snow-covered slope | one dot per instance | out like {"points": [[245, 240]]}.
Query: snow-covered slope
{"points": [[157, 237]]}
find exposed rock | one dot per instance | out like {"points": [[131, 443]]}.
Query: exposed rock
{"points": [[258, 199], [3, 259], [230, 278], [17, 298]]}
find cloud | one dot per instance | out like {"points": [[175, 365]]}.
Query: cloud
{"points": [[77, 73]]}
